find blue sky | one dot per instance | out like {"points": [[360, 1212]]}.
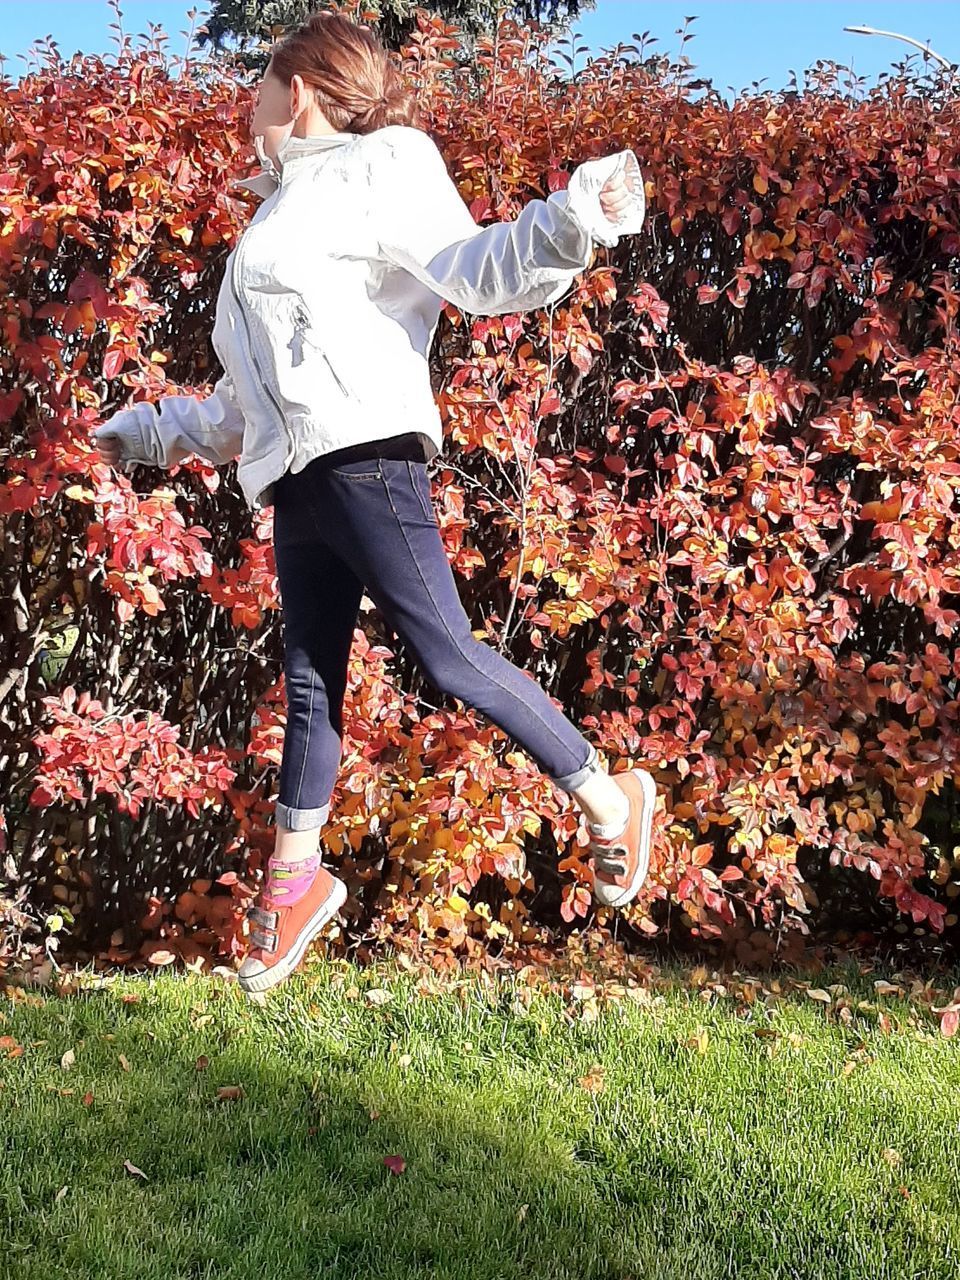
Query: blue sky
{"points": [[736, 41]]}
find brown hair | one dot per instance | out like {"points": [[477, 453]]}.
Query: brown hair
{"points": [[355, 84]]}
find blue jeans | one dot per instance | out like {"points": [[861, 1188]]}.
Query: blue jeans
{"points": [[369, 525]]}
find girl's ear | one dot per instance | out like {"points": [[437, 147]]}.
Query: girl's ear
{"points": [[298, 96]]}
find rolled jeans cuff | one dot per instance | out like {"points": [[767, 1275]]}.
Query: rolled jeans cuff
{"points": [[571, 781], [286, 815]]}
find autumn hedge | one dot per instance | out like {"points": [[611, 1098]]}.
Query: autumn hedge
{"points": [[709, 501]]}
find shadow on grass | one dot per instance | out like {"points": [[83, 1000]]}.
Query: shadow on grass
{"points": [[289, 1179]]}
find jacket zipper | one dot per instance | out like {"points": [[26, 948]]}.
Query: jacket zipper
{"points": [[285, 435]]}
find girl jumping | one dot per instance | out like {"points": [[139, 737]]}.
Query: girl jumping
{"points": [[324, 325]]}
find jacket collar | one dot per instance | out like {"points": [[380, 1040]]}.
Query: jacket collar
{"points": [[291, 152]]}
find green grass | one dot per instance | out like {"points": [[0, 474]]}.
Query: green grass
{"points": [[749, 1156]]}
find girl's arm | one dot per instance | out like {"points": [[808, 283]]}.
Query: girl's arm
{"points": [[164, 434], [425, 228]]}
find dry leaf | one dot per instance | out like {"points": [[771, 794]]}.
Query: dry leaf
{"points": [[404, 1060], [202, 1062], [883, 988], [522, 1212], [87, 1098], [396, 1164], [593, 1080], [60, 1194], [892, 1157], [848, 1066], [700, 1042], [132, 1168], [123, 1062], [229, 1092], [818, 993], [68, 1059], [377, 995]]}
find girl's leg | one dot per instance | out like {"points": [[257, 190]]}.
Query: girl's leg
{"points": [[320, 597], [378, 516]]}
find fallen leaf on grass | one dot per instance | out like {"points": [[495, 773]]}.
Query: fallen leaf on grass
{"points": [[884, 988], [522, 1212], [377, 995], [892, 1157], [202, 1062], [396, 1164], [87, 1098], [229, 1092], [818, 993], [700, 1042], [593, 1080], [123, 1062], [60, 1194], [132, 1168], [68, 1059]]}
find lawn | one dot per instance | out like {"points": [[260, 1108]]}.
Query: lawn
{"points": [[677, 1133]]}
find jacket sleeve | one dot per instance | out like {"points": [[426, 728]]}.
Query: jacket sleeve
{"points": [[426, 228], [164, 434]]}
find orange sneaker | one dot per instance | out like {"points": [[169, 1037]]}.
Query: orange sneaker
{"points": [[296, 902], [620, 863]]}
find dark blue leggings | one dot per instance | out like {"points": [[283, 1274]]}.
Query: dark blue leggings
{"points": [[369, 526]]}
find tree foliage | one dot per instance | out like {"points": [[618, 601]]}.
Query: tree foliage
{"points": [[262, 20]]}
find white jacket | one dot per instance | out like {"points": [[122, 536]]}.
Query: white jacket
{"points": [[331, 297]]}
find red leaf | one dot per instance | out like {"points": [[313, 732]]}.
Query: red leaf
{"points": [[113, 362], [396, 1164]]}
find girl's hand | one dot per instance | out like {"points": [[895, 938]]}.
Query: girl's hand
{"points": [[109, 447], [619, 193]]}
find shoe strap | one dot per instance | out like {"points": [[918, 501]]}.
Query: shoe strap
{"points": [[607, 863]]}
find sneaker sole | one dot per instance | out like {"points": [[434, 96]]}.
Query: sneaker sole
{"points": [[277, 973], [646, 833]]}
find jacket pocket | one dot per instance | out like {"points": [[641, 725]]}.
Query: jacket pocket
{"points": [[305, 331]]}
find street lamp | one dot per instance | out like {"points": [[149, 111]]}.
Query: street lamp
{"points": [[872, 31]]}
